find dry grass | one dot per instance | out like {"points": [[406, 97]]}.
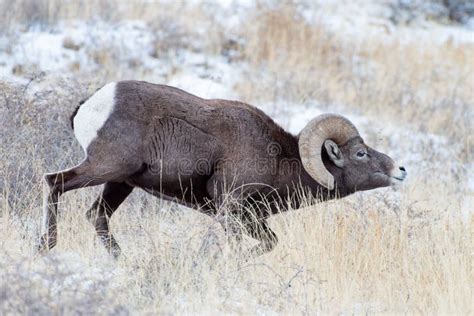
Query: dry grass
{"points": [[48, 12], [363, 254], [429, 87], [406, 251]]}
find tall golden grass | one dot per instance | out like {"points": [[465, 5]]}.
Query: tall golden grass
{"points": [[358, 255]]}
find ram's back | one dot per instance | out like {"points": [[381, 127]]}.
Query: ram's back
{"points": [[229, 125]]}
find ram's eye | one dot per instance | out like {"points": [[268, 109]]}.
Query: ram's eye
{"points": [[361, 154]]}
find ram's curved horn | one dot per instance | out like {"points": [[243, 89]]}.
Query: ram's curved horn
{"points": [[311, 141]]}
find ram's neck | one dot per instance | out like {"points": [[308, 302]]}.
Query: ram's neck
{"points": [[320, 192], [296, 183]]}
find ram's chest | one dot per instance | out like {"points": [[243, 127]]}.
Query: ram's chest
{"points": [[93, 114]]}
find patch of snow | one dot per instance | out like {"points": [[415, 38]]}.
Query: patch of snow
{"points": [[206, 77], [470, 24], [201, 87], [470, 176], [90, 46], [230, 14], [467, 205], [44, 50]]}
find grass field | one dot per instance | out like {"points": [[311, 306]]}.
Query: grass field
{"points": [[394, 250]]}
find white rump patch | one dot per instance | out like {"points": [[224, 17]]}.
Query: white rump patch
{"points": [[93, 114]]}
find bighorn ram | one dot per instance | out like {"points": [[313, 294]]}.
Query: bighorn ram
{"points": [[208, 154]]}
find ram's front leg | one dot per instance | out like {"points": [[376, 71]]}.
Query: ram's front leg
{"points": [[227, 216], [232, 229], [228, 206], [267, 238]]}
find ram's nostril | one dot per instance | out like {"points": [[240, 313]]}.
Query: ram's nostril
{"points": [[402, 169]]}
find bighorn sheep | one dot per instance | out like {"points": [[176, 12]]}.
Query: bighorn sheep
{"points": [[205, 154]]}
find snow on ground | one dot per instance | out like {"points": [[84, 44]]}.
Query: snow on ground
{"points": [[74, 43], [78, 44], [207, 77], [366, 19]]}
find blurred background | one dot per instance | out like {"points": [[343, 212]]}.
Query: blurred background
{"points": [[401, 70]]}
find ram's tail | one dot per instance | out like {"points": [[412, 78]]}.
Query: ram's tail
{"points": [[71, 118], [73, 115]]}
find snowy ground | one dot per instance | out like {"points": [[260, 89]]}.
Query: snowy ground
{"points": [[38, 58]]}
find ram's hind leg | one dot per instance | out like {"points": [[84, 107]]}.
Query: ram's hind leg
{"points": [[55, 185], [99, 214], [85, 174]]}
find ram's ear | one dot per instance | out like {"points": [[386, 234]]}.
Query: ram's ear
{"points": [[334, 153]]}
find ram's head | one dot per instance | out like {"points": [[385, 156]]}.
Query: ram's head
{"points": [[331, 142]]}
